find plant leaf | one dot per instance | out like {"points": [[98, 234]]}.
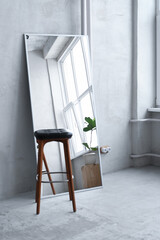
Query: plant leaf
{"points": [[94, 148], [86, 145], [86, 129], [91, 122]]}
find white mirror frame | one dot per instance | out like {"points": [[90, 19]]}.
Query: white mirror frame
{"points": [[93, 99]]}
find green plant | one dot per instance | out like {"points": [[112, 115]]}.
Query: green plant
{"points": [[91, 126]]}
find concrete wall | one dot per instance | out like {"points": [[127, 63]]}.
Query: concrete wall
{"points": [[112, 78], [156, 126], [17, 165], [124, 78], [112, 81], [144, 46], [146, 56]]}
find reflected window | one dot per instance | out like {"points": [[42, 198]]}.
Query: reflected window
{"points": [[80, 68], [74, 67], [69, 79]]}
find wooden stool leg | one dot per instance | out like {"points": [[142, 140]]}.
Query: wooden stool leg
{"points": [[37, 183], [68, 160], [49, 176], [40, 158], [69, 186]]}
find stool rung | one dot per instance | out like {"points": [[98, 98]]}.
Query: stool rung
{"points": [[45, 172]]}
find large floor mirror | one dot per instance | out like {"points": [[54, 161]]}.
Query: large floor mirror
{"points": [[61, 95]]}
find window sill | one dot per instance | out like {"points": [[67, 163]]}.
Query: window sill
{"points": [[154, 109], [80, 154]]}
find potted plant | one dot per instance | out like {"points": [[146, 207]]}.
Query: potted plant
{"points": [[90, 157]]}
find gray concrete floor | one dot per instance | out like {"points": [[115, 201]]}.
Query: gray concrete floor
{"points": [[128, 207]]}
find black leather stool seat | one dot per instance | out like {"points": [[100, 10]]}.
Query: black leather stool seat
{"points": [[52, 134]]}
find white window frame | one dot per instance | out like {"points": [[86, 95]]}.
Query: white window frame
{"points": [[71, 105]]}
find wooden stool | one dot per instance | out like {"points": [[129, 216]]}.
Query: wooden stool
{"points": [[43, 137]]}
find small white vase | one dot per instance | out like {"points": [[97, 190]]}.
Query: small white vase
{"points": [[90, 158]]}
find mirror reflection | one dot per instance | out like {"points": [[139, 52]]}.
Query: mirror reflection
{"points": [[62, 97]]}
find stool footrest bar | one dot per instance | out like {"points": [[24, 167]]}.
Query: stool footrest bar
{"points": [[45, 172]]}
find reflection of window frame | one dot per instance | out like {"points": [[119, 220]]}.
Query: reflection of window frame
{"points": [[71, 105]]}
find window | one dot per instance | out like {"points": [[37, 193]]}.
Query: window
{"points": [[77, 90]]}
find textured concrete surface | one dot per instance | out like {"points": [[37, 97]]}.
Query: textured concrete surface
{"points": [[143, 139], [17, 157], [126, 208], [112, 72], [112, 78]]}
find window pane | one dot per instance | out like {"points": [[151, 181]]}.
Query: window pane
{"points": [[86, 106], [87, 112], [80, 69], [78, 114], [80, 121], [86, 48], [72, 125], [87, 54], [94, 139], [70, 85]]}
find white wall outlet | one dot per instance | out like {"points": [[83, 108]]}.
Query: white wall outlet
{"points": [[105, 149]]}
